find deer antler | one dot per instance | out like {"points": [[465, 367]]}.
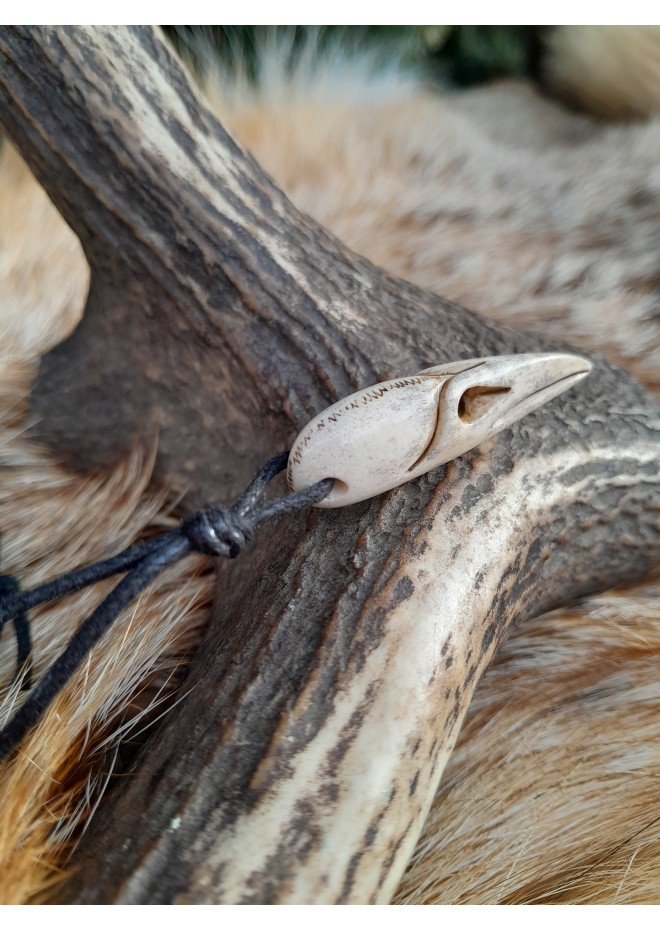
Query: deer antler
{"points": [[344, 649]]}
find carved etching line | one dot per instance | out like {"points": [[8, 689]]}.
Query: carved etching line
{"points": [[450, 374], [353, 404], [435, 427]]}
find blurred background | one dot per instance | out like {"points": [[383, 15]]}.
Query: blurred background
{"points": [[609, 71], [458, 55]]}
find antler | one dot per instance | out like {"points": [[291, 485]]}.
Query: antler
{"points": [[344, 648]]}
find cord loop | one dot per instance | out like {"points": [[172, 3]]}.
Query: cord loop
{"points": [[218, 531], [10, 593]]}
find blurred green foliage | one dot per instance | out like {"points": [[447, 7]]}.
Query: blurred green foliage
{"points": [[459, 55], [474, 54]]}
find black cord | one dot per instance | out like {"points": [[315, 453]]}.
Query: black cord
{"points": [[218, 531]]}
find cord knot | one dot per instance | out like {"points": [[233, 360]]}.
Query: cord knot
{"points": [[218, 531]]}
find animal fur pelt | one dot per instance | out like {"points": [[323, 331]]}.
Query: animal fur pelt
{"points": [[610, 70], [497, 199]]}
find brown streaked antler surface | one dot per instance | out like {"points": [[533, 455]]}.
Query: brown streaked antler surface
{"points": [[345, 646]]}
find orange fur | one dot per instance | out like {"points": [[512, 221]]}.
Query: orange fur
{"points": [[496, 199]]}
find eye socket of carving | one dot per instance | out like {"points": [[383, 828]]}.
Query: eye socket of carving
{"points": [[477, 401]]}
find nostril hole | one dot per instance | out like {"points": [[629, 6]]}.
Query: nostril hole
{"points": [[477, 401]]}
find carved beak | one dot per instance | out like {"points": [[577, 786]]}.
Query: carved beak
{"points": [[388, 434], [481, 397]]}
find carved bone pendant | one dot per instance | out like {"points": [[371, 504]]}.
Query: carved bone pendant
{"points": [[394, 431]]}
